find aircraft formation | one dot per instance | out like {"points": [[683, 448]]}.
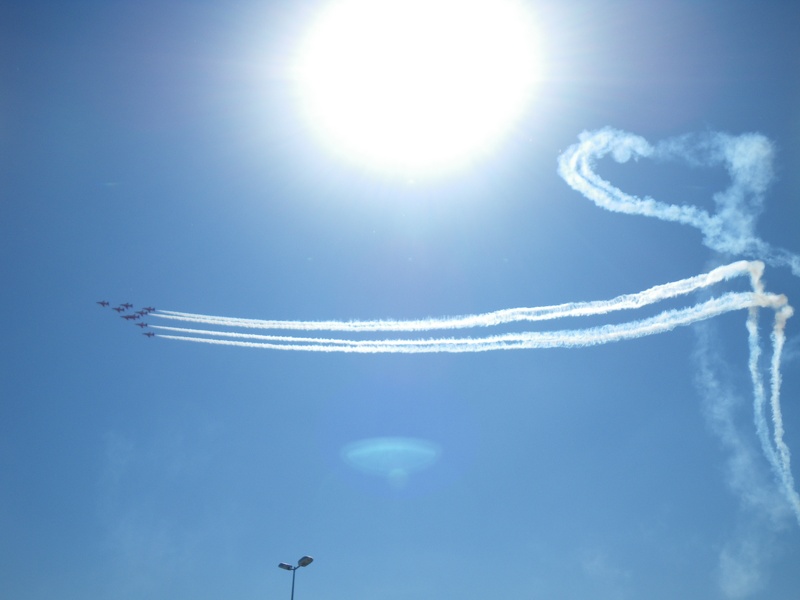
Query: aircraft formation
{"points": [[131, 316]]}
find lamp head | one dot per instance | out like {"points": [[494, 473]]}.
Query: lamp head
{"points": [[305, 561], [286, 566]]}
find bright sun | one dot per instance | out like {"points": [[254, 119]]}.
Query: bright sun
{"points": [[414, 86]]}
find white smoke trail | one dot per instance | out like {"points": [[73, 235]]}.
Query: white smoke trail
{"points": [[743, 558], [775, 449], [784, 455], [759, 395], [731, 230], [500, 317], [663, 322]]}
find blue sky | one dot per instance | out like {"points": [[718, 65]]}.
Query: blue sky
{"points": [[155, 153]]}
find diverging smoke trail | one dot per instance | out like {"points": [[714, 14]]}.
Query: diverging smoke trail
{"points": [[576, 338], [575, 309], [774, 447], [730, 229]]}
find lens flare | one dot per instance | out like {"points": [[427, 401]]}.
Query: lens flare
{"points": [[392, 457]]}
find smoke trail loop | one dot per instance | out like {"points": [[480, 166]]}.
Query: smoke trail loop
{"points": [[731, 230]]}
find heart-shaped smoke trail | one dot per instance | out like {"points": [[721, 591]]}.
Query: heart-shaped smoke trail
{"points": [[731, 229]]}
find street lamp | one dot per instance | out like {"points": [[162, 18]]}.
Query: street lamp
{"points": [[303, 562]]}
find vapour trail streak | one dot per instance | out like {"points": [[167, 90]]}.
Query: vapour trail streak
{"points": [[731, 229], [526, 340], [778, 341], [500, 317], [759, 396], [778, 455], [576, 167], [776, 450]]}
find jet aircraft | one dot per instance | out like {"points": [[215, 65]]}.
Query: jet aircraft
{"points": [[130, 317], [119, 309], [142, 325], [103, 303], [126, 305], [149, 334], [149, 308]]}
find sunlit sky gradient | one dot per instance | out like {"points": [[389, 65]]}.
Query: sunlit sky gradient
{"points": [[412, 87], [158, 153]]}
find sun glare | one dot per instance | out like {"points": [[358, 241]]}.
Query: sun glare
{"points": [[413, 86]]}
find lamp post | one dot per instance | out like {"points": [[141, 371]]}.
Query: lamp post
{"points": [[303, 562]]}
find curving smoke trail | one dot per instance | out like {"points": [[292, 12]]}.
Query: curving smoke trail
{"points": [[661, 323], [775, 449], [573, 309], [665, 321], [731, 229]]}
